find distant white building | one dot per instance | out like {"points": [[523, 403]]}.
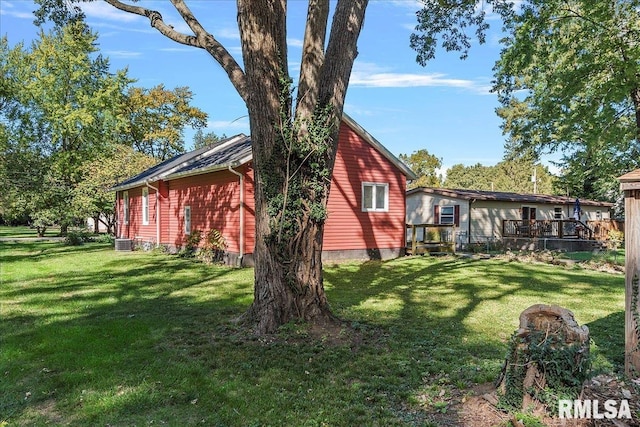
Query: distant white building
{"points": [[479, 215]]}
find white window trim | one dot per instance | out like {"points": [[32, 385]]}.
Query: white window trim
{"points": [[187, 220], [145, 206], [125, 206], [386, 197]]}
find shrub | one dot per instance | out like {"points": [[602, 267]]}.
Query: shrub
{"points": [[77, 237], [213, 248], [192, 241], [615, 239]]}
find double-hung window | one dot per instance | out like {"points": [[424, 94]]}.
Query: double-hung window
{"points": [[375, 197], [447, 215], [145, 206]]}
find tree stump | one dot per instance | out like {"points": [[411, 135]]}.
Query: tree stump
{"points": [[548, 360]]}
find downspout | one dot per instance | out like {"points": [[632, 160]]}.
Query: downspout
{"points": [[157, 212], [241, 208], [472, 201]]}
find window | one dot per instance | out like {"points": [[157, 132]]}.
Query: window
{"points": [[557, 213], [447, 215], [187, 220], [145, 206], [528, 212], [375, 197], [598, 215], [125, 203]]}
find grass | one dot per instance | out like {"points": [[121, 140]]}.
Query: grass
{"points": [[94, 337], [615, 256], [25, 231]]}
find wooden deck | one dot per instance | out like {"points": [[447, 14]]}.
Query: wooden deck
{"points": [[550, 229], [430, 238]]}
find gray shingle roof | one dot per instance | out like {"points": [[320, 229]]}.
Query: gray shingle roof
{"points": [[504, 196], [232, 151]]}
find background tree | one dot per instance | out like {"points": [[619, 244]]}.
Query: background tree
{"points": [[425, 166], [92, 197], [63, 110], [568, 80], [201, 139], [57, 119], [508, 175], [156, 119]]}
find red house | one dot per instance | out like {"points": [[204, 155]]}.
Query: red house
{"points": [[212, 188]]}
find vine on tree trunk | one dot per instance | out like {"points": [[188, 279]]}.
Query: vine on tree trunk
{"points": [[296, 192]]}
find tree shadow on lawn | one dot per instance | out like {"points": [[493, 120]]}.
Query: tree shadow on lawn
{"points": [[452, 318], [607, 334], [148, 340], [34, 251]]}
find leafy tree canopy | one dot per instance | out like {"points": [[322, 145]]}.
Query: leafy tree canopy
{"points": [[201, 139], [509, 175], [156, 119], [568, 80], [425, 166]]}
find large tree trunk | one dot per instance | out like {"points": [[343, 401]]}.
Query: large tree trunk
{"points": [[290, 194]]}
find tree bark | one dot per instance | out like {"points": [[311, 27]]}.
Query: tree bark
{"points": [[288, 265]]}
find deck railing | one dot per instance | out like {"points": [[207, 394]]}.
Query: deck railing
{"points": [[430, 238], [548, 228]]}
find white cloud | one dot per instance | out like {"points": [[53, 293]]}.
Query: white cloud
{"points": [[372, 75], [240, 124], [407, 80], [295, 42], [7, 8], [122, 54], [102, 10]]}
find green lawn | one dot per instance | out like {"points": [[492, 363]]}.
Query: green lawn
{"points": [[24, 231], [89, 336]]}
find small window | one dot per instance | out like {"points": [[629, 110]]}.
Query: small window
{"points": [[145, 206], [375, 197], [125, 204], [187, 220], [528, 212], [598, 215], [447, 215], [557, 213]]}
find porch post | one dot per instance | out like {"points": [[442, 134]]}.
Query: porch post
{"points": [[630, 184]]}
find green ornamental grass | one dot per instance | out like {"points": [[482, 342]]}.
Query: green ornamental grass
{"points": [[90, 336]]}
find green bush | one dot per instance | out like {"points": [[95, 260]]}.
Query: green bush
{"points": [[192, 241], [77, 237], [213, 248]]}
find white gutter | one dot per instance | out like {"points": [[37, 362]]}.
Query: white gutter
{"points": [[241, 208], [157, 212]]}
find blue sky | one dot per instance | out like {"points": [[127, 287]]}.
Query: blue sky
{"points": [[445, 107]]}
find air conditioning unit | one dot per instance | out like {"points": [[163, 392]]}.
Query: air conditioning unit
{"points": [[124, 245]]}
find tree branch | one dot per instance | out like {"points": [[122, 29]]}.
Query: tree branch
{"points": [[312, 55], [202, 39]]}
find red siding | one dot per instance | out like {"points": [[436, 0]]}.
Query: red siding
{"points": [[135, 229], [347, 226], [214, 200]]}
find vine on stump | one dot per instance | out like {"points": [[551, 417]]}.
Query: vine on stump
{"points": [[548, 360]]}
